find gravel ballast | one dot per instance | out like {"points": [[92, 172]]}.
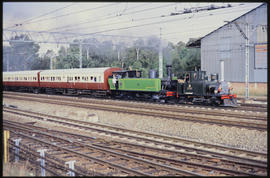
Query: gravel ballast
{"points": [[221, 135]]}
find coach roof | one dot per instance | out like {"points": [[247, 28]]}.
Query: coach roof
{"points": [[26, 72], [99, 70]]}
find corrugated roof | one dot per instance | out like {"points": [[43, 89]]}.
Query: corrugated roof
{"points": [[197, 43]]}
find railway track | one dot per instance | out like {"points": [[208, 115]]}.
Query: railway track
{"points": [[257, 108], [262, 99], [173, 143], [174, 163], [257, 122], [253, 109], [115, 163]]}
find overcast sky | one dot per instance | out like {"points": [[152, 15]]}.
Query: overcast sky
{"points": [[113, 17]]}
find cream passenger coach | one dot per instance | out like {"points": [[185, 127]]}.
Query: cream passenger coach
{"points": [[63, 80]]}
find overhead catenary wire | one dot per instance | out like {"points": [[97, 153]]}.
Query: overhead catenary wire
{"points": [[67, 14], [217, 13], [116, 29], [133, 20], [142, 10], [97, 19], [146, 24], [96, 33], [47, 13]]}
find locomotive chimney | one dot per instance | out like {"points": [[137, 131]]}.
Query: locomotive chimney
{"points": [[169, 71]]}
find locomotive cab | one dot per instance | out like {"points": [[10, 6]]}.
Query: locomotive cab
{"points": [[127, 74], [118, 75], [194, 86], [192, 83]]}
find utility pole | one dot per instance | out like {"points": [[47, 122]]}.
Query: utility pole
{"points": [[51, 56], [246, 36], [80, 55], [118, 54], [8, 57], [51, 62], [160, 58], [137, 52], [247, 61], [87, 55]]}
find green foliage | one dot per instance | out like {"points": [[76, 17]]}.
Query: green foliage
{"points": [[143, 55], [41, 64], [105, 54]]}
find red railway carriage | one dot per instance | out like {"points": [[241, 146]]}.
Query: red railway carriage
{"points": [[21, 79], [82, 79]]}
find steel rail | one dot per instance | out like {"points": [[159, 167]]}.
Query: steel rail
{"points": [[85, 125], [93, 145], [240, 124], [180, 162], [167, 108], [258, 109], [48, 159], [83, 155], [168, 168]]}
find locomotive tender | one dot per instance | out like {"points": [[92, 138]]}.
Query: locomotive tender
{"points": [[192, 86]]}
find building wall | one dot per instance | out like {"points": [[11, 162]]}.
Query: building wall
{"points": [[227, 44], [255, 89]]}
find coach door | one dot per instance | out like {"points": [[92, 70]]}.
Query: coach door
{"points": [[38, 77], [69, 81], [99, 82]]}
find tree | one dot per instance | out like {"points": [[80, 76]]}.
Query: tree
{"points": [[193, 58], [138, 44], [61, 58], [41, 64], [103, 54]]}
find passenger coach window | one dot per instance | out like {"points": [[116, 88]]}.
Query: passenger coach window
{"points": [[95, 79]]}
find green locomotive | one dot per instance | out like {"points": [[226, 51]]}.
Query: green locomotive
{"points": [[131, 81], [130, 84]]}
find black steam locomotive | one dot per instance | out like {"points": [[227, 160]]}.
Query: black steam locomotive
{"points": [[194, 86]]}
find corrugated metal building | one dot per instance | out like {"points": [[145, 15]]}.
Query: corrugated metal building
{"points": [[224, 50]]}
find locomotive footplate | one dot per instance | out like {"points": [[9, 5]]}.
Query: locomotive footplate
{"points": [[229, 100]]}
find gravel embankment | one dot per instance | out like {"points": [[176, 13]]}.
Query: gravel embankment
{"points": [[228, 136]]}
